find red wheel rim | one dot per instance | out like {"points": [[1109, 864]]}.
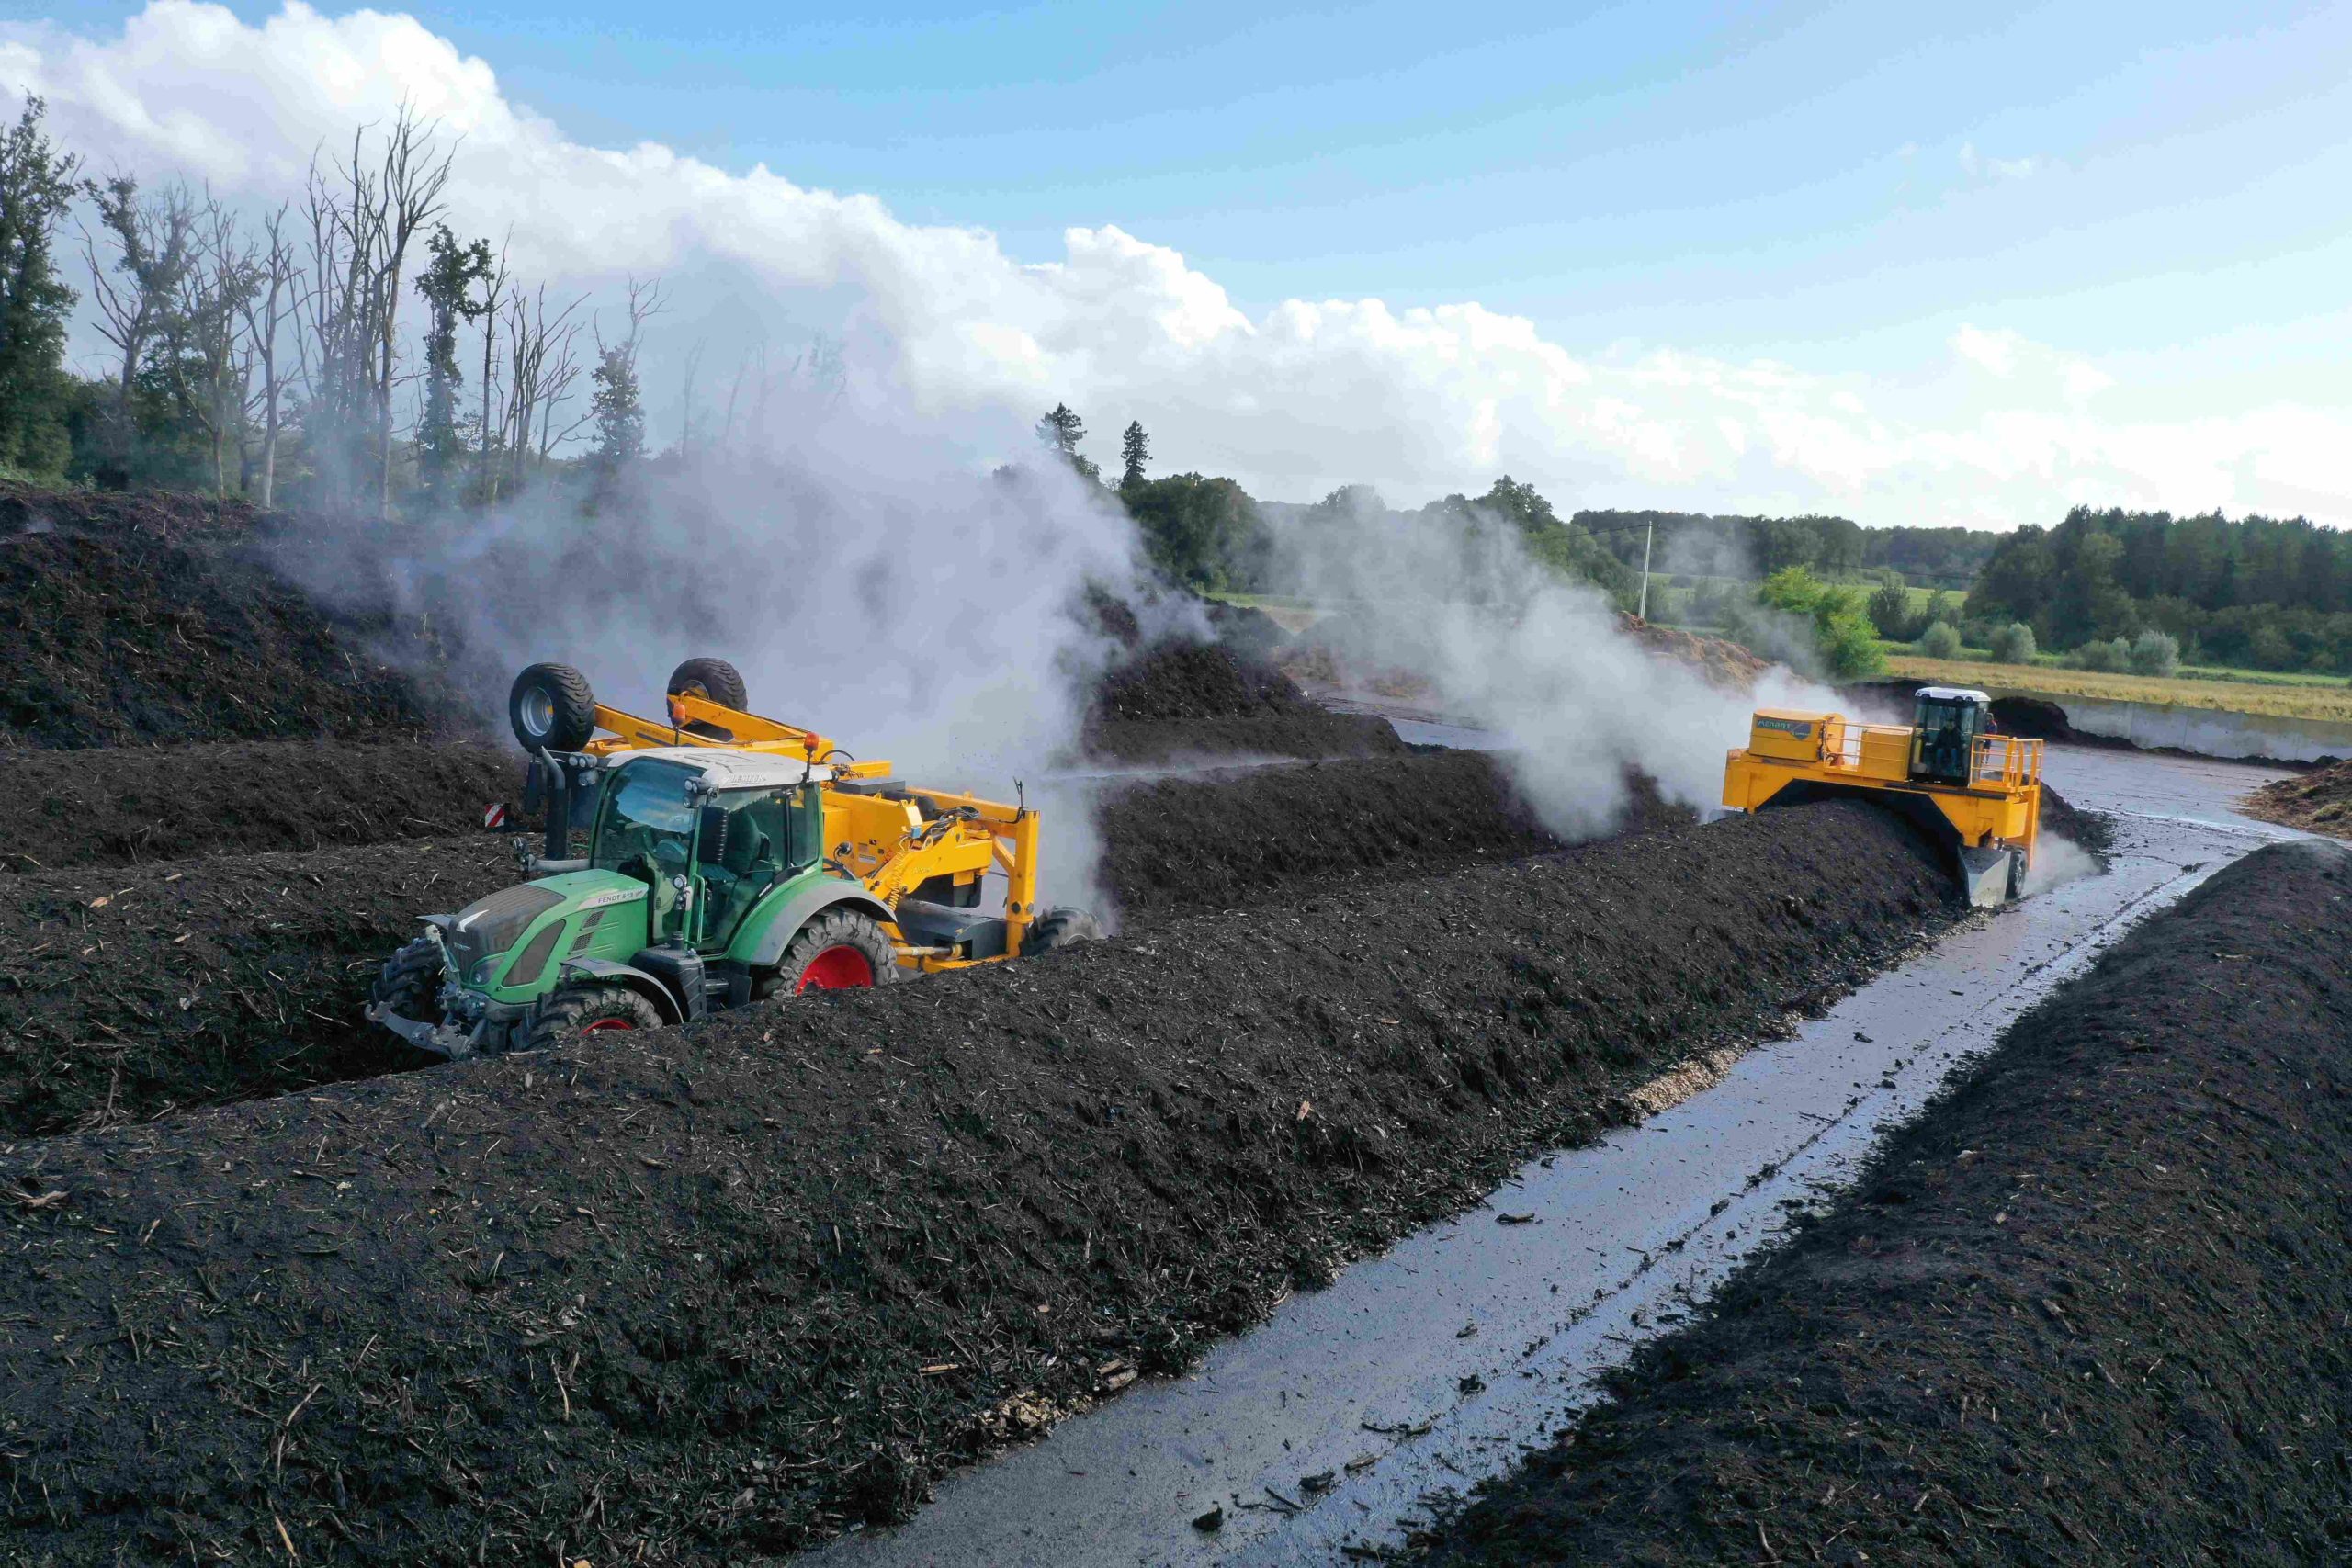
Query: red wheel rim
{"points": [[603, 1024], [843, 969]]}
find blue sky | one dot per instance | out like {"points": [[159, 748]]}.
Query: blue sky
{"points": [[1728, 179], [2154, 191]]}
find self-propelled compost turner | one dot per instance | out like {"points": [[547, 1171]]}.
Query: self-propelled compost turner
{"points": [[730, 858]]}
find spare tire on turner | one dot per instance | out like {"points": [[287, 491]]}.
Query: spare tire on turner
{"points": [[713, 679], [551, 708]]}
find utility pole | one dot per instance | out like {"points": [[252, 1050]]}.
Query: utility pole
{"points": [[1647, 536]]}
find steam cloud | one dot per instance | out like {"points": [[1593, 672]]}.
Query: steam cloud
{"points": [[1508, 645], [870, 577]]}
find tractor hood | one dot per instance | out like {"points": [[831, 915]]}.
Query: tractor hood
{"points": [[490, 927]]}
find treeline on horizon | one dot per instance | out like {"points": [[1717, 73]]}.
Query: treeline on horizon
{"points": [[275, 363], [2258, 592]]}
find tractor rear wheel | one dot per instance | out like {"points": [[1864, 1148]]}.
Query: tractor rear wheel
{"points": [[840, 950], [572, 1011], [550, 706], [1057, 928], [713, 679], [410, 985]]}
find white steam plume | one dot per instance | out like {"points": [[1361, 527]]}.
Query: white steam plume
{"points": [[871, 581], [1508, 645]]}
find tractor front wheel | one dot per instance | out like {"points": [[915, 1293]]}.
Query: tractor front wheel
{"points": [[572, 1011], [410, 985], [840, 950]]}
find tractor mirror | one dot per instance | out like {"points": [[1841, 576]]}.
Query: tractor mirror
{"points": [[711, 841]]}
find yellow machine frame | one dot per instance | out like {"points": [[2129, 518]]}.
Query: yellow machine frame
{"points": [[2000, 806], [886, 843]]}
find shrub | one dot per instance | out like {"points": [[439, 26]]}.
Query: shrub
{"points": [[2102, 658], [2156, 653], [1842, 632], [2014, 644], [1940, 641], [1890, 611]]}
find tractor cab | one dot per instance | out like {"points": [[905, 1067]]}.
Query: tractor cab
{"points": [[709, 832], [1945, 723]]}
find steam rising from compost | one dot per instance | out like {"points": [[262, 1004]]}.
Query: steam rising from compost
{"points": [[870, 576], [1508, 644]]}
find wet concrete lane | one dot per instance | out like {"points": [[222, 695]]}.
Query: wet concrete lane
{"points": [[1432, 1366]]}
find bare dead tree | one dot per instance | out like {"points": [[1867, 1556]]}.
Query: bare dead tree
{"points": [[341, 214], [411, 187], [361, 216], [492, 290], [207, 373], [149, 239], [276, 299], [542, 362], [686, 398]]}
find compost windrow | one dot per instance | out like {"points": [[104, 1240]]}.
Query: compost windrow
{"points": [[131, 805], [2089, 1309], [128, 991], [719, 1290], [137, 618], [1266, 834], [1175, 699]]}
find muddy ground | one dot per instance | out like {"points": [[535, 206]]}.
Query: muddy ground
{"points": [[722, 1290], [2319, 802], [2089, 1309], [130, 804]]}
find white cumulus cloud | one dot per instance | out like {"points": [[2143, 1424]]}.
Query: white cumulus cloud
{"points": [[1292, 401]]}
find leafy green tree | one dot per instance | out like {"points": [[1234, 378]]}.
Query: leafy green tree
{"points": [[1134, 451], [1941, 640], [2014, 644], [1842, 632], [35, 187], [1567, 550], [618, 413], [2156, 653], [452, 269], [1891, 611], [1204, 533], [1059, 432]]}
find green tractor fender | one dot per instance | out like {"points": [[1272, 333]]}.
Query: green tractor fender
{"points": [[635, 979], [769, 928]]}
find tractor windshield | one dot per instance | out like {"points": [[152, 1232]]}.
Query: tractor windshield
{"points": [[646, 827]]}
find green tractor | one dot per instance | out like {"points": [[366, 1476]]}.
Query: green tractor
{"points": [[730, 858]]}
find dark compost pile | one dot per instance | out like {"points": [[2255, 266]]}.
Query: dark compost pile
{"points": [[704, 1293], [2089, 1309]]}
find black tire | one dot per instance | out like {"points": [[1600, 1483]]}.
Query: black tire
{"points": [[830, 933], [2017, 874], [410, 985], [713, 679], [550, 706], [1059, 928], [570, 1012]]}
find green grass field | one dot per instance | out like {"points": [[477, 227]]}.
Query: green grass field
{"points": [[2222, 691]]}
